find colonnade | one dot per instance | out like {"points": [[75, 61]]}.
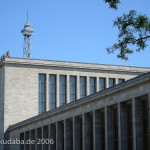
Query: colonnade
{"points": [[121, 126]]}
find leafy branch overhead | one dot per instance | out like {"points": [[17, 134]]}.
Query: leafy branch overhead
{"points": [[112, 3], [134, 33]]}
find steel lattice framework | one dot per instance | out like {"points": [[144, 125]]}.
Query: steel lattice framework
{"points": [[27, 32]]}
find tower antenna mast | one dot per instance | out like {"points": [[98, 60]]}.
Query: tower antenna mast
{"points": [[27, 31]]}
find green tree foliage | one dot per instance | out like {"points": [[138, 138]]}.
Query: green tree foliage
{"points": [[112, 3], [134, 32]]}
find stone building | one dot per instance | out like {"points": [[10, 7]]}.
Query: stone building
{"points": [[78, 105]]}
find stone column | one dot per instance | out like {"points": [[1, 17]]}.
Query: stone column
{"points": [[78, 133], [110, 137], [39, 136], [87, 85], [47, 92], [57, 91], [60, 135], [116, 80], [78, 87], [36, 139], [106, 138], [30, 139], [94, 130], [83, 132], [97, 84], [42, 137], [139, 124], [56, 135], [107, 82], [65, 140], [53, 136], [22, 146], [97, 131], [26, 138], [134, 124], [87, 131], [69, 134], [73, 131], [68, 89], [49, 136], [45, 137], [33, 138], [119, 127], [149, 119], [123, 127]]}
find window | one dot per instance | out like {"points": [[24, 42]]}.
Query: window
{"points": [[111, 82], [92, 85], [52, 92], [72, 88], [42, 93], [121, 81], [62, 90], [82, 87], [102, 83]]}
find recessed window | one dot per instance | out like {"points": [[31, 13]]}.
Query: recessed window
{"points": [[121, 81], [112, 82], [102, 84], [92, 85], [82, 87], [42, 93], [72, 88], [62, 90], [52, 92]]}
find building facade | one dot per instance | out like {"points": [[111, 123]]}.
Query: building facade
{"points": [[117, 118], [31, 87]]}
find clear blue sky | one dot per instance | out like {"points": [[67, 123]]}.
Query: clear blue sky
{"points": [[69, 30]]}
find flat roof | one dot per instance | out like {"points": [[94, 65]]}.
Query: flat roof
{"points": [[69, 64]]}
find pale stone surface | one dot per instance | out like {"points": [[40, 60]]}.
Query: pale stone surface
{"points": [[136, 87]]}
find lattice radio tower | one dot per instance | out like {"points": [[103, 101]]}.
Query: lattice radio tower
{"points": [[27, 32]]}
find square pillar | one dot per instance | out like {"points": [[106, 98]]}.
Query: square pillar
{"points": [[119, 127], [68, 89], [78, 87], [88, 131], [97, 84], [45, 137], [27, 138], [106, 138], [123, 126], [39, 136], [22, 138], [33, 138], [68, 134], [100, 141], [149, 119], [60, 135], [78, 133], [57, 91], [87, 86], [53, 136], [65, 141], [93, 130], [112, 128], [133, 124], [47, 92]]}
